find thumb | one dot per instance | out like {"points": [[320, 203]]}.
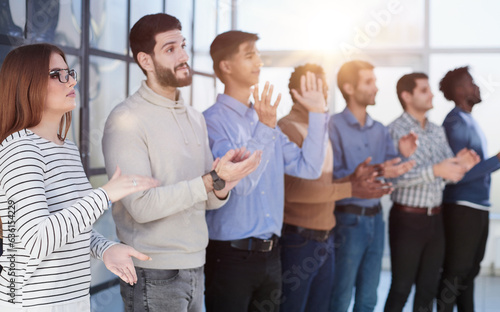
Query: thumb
{"points": [[367, 160], [139, 255], [118, 172]]}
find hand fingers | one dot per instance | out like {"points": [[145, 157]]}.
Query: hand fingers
{"points": [[367, 160], [296, 95], [269, 95], [264, 92], [278, 99], [131, 277], [393, 161], [320, 84], [303, 88], [226, 158], [309, 81], [119, 272], [256, 95], [139, 255], [214, 164]]}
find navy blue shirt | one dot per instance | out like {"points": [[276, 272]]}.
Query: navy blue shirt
{"points": [[463, 131]]}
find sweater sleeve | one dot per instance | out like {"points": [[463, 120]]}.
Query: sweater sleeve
{"points": [[40, 232]]}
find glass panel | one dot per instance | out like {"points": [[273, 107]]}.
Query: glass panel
{"points": [[4, 50], [205, 26], [333, 25], [485, 69], [69, 27], [13, 14], [387, 107], [202, 62], [204, 95], [183, 10], [139, 8], [106, 90], [108, 26], [471, 24], [224, 16], [135, 78]]}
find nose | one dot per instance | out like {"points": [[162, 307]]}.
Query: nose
{"points": [[72, 81], [184, 57], [258, 60]]}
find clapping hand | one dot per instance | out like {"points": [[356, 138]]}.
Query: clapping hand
{"points": [[311, 94]]}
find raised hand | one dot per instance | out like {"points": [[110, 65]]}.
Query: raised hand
{"points": [[408, 144], [311, 94], [118, 259], [393, 168], [262, 105], [120, 186]]}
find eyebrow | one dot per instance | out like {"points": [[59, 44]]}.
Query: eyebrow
{"points": [[171, 42], [57, 68]]}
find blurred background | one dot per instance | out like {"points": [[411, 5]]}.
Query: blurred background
{"points": [[397, 36]]}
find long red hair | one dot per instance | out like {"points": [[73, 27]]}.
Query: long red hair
{"points": [[24, 79]]}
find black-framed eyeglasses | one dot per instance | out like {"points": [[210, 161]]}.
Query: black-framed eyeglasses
{"points": [[64, 77]]}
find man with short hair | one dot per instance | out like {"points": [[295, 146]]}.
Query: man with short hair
{"points": [[307, 246], [243, 270], [415, 223], [466, 203], [154, 133], [359, 233]]}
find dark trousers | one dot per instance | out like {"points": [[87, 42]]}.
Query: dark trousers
{"points": [[466, 231], [241, 280], [417, 252]]}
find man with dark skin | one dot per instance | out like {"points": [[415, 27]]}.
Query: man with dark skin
{"points": [[466, 204]]}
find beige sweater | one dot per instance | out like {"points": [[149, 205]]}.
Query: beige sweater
{"points": [[151, 135]]}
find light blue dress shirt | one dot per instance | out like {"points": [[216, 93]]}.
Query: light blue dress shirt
{"points": [[255, 207], [352, 144]]}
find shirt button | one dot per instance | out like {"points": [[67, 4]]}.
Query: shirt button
{"points": [[274, 138], [262, 192], [267, 215], [251, 123]]}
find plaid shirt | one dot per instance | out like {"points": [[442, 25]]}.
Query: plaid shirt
{"points": [[419, 187]]}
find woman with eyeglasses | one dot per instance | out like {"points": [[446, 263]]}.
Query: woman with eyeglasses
{"points": [[47, 205]]}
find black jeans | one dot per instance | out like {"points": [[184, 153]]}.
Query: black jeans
{"points": [[241, 280], [417, 252], [466, 231]]}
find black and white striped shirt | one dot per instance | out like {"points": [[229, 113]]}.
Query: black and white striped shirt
{"points": [[47, 207], [419, 187]]}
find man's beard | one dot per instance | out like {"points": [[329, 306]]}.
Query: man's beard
{"points": [[167, 78]]}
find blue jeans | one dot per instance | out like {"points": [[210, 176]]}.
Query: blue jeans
{"points": [[164, 290], [308, 267], [359, 245]]}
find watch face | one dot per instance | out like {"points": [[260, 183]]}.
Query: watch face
{"points": [[219, 184]]}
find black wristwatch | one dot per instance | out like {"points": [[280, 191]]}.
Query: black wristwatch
{"points": [[219, 184]]}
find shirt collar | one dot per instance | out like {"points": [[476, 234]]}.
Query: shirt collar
{"points": [[234, 104], [352, 121], [413, 121]]}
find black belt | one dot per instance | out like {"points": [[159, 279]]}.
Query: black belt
{"points": [[358, 210], [317, 235], [255, 244]]}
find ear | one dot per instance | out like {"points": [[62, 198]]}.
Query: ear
{"points": [[225, 66], [348, 88], [406, 96], [145, 61]]}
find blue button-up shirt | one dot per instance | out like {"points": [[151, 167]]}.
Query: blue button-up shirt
{"points": [[255, 207], [353, 143]]}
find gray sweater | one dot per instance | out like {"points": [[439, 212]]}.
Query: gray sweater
{"points": [[151, 135]]}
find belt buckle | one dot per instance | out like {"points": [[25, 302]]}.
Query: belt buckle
{"points": [[325, 235], [267, 244], [429, 211]]}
